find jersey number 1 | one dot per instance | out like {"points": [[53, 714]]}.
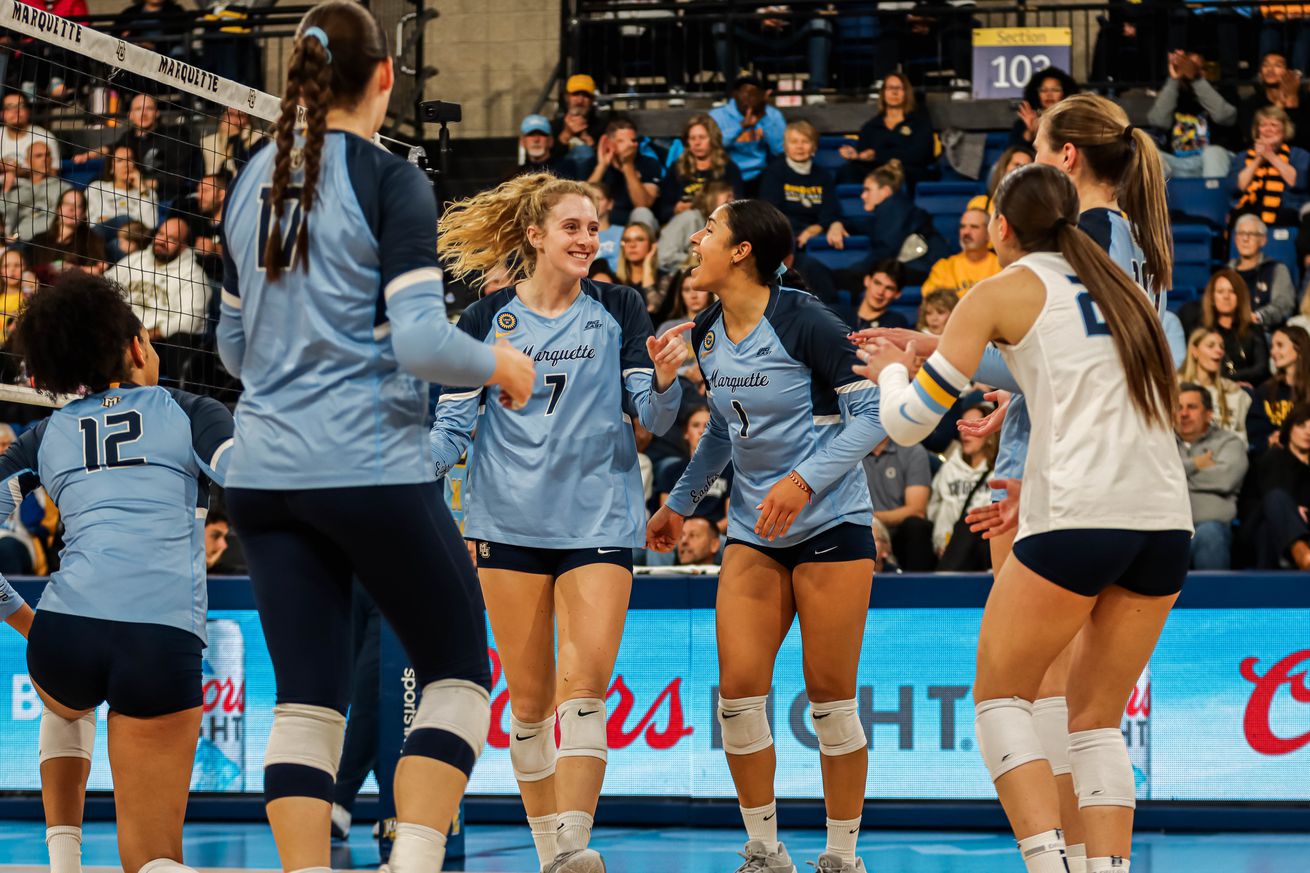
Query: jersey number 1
{"points": [[97, 453], [292, 216]]}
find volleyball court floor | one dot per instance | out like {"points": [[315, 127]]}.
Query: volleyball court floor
{"points": [[227, 848]]}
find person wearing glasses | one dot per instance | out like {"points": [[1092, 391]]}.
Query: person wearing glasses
{"points": [[1273, 296]]}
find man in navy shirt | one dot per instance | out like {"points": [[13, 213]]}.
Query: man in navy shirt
{"points": [[633, 179]]}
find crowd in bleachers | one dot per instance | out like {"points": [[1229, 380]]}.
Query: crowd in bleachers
{"points": [[889, 233]]}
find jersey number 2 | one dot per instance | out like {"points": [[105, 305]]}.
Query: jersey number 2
{"points": [[292, 215], [120, 429]]}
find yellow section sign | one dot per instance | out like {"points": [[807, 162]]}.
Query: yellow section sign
{"points": [[1022, 36]]}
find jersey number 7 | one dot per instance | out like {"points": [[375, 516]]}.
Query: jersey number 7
{"points": [[291, 215]]}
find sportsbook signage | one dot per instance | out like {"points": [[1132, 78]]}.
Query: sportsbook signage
{"points": [[1225, 714]]}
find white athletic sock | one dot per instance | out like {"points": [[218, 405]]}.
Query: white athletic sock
{"points": [[1076, 857], [417, 849], [1110, 864], [543, 837], [1044, 852], [168, 865], [64, 842], [842, 837], [762, 824], [573, 832]]}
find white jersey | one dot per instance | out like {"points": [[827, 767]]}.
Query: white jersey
{"points": [[1093, 460]]}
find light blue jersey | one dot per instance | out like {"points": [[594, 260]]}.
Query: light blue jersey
{"points": [[334, 361], [10, 600], [129, 469], [562, 472], [1111, 230], [782, 399]]}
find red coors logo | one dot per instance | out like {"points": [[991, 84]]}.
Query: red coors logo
{"points": [[619, 735], [1259, 733], [225, 695]]}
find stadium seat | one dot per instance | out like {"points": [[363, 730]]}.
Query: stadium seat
{"points": [[828, 156], [857, 249], [945, 198], [949, 227], [911, 295], [911, 313], [1206, 199], [848, 197], [1193, 244], [81, 175], [1191, 275]]}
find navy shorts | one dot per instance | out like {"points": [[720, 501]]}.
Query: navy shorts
{"points": [[547, 562], [1087, 561], [142, 670], [845, 542]]}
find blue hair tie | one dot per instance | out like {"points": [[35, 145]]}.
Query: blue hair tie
{"points": [[319, 34], [780, 272]]}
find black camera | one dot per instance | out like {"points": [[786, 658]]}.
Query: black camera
{"points": [[441, 112]]}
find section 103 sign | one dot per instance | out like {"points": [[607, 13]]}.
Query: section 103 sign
{"points": [[1006, 58]]}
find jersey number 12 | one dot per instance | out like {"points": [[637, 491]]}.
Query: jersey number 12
{"points": [[120, 428]]}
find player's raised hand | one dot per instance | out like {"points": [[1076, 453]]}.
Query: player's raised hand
{"points": [[924, 343], [880, 354], [990, 423], [515, 375], [995, 519], [667, 352], [664, 530]]}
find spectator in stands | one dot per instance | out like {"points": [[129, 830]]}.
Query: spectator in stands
{"points": [[1225, 308], [1044, 90], [886, 559], [1189, 111], [158, 25], [687, 302], [227, 149], [959, 486], [803, 192], [703, 160], [633, 179], [217, 529], [579, 124], [1204, 366], [167, 161], [771, 37], [535, 145], [638, 265], [935, 311], [1302, 318], [1279, 527], [600, 271], [1269, 282], [19, 134], [890, 219], [975, 262], [1279, 87], [699, 543], [1012, 158], [610, 235], [12, 293], [1271, 179], [1214, 459], [30, 205], [882, 288], [900, 483], [897, 132], [120, 193], [204, 217], [69, 242], [752, 129], [169, 292], [714, 506], [1289, 351], [675, 236]]}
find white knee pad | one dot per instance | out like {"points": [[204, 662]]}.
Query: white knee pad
{"points": [[1006, 736], [582, 728], [532, 750], [838, 727], [1102, 772], [63, 738], [459, 707], [1051, 719], [310, 736], [744, 722], [164, 865]]}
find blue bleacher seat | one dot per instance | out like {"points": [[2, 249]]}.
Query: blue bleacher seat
{"points": [[1208, 200], [829, 160], [949, 227], [848, 196], [856, 250], [1191, 275], [81, 175], [945, 198], [911, 295], [911, 313], [1193, 244]]}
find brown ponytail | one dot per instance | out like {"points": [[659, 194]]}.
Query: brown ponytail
{"points": [[1126, 156], [319, 78], [1041, 206]]}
